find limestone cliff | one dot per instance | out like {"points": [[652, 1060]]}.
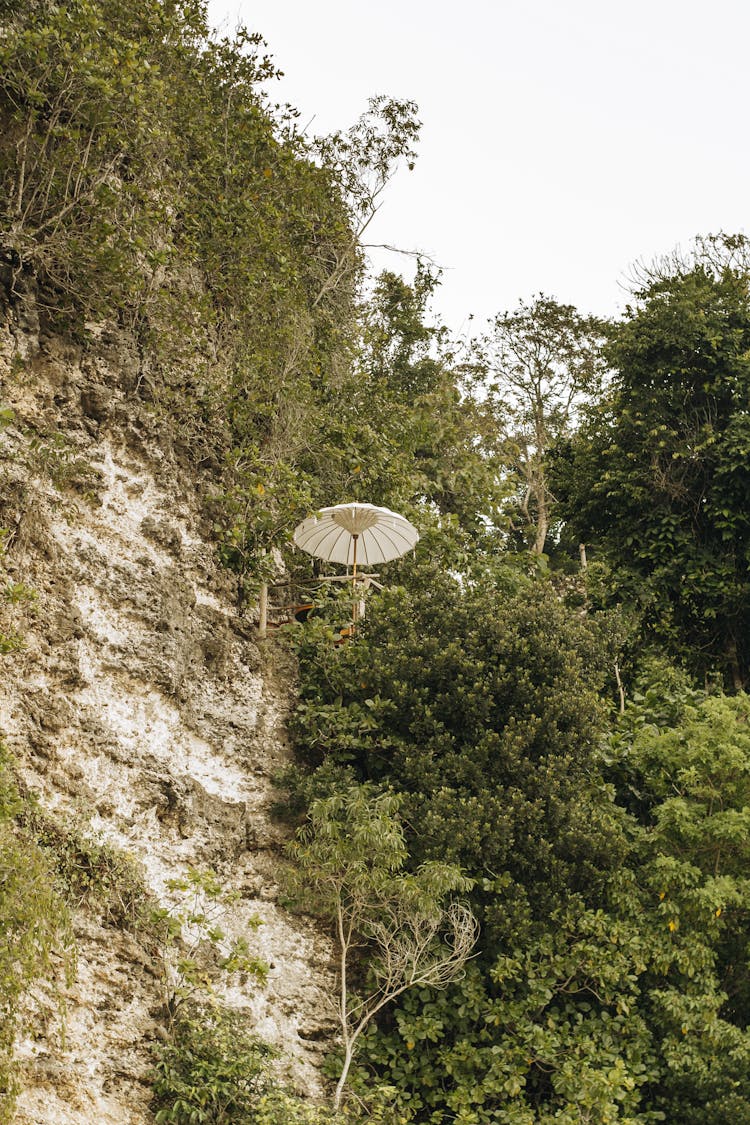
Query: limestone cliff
{"points": [[142, 710]]}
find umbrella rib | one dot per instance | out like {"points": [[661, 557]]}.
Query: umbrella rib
{"points": [[342, 531], [328, 543], [366, 552], [331, 541], [314, 543], [385, 535], [305, 529], [313, 532]]}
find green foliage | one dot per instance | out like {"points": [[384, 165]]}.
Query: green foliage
{"points": [[350, 854], [612, 982], [280, 1108], [196, 952], [290, 392], [400, 432], [392, 428], [54, 456], [212, 1069], [478, 703], [686, 760], [153, 177], [36, 942], [658, 475], [348, 868], [551, 1032], [90, 872], [83, 99], [481, 708], [536, 368]]}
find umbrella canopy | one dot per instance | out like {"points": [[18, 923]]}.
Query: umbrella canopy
{"points": [[356, 533]]}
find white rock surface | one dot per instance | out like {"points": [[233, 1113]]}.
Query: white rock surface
{"points": [[142, 710]]}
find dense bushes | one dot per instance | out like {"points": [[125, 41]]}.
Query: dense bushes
{"points": [[481, 708], [610, 984]]}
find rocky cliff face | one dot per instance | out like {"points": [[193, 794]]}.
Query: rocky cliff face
{"points": [[142, 711]]}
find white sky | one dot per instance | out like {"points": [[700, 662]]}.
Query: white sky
{"points": [[561, 141]]}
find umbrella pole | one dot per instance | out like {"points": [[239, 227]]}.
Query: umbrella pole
{"points": [[354, 585]]}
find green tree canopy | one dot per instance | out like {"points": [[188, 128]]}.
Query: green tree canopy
{"points": [[608, 872], [658, 476], [538, 365], [481, 707]]}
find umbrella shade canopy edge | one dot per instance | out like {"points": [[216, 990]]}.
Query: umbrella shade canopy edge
{"points": [[381, 535]]}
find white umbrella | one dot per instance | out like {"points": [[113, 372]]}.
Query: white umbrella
{"points": [[352, 533]]}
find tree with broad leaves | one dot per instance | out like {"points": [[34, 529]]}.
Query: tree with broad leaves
{"points": [[658, 476]]}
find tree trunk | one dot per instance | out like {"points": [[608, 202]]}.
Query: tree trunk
{"points": [[348, 1056], [542, 524], [738, 680]]}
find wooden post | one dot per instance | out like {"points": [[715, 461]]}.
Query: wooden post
{"points": [[263, 610]]}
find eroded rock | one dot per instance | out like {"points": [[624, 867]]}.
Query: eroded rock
{"points": [[142, 714]]}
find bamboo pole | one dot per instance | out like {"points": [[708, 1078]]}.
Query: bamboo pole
{"points": [[354, 585]]}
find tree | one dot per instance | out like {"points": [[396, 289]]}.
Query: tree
{"points": [[541, 363], [85, 142], [399, 431], [607, 872], [350, 857], [682, 761], [658, 475], [365, 158]]}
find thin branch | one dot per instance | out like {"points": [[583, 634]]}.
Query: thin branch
{"points": [[420, 255]]}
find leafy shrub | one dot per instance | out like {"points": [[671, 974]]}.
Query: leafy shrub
{"points": [[280, 1108], [53, 455], [93, 872], [35, 937], [195, 950], [213, 1069]]}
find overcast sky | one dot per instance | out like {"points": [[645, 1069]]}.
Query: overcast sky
{"points": [[561, 141]]}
